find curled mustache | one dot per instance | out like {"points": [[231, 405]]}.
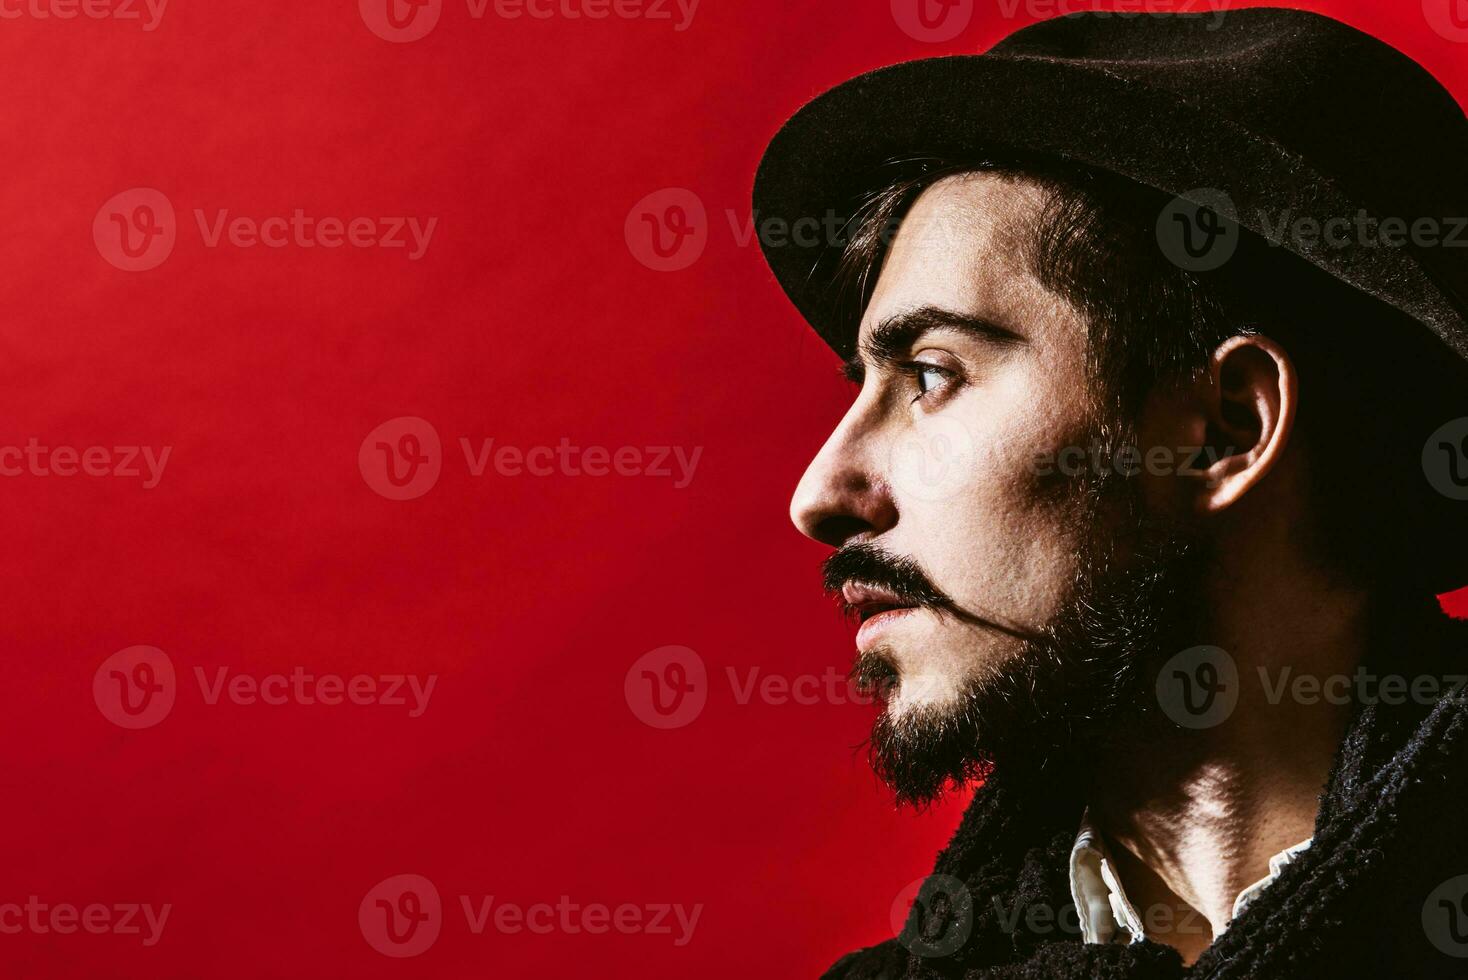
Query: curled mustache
{"points": [[870, 565]]}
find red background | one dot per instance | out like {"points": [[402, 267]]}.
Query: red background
{"points": [[263, 549]]}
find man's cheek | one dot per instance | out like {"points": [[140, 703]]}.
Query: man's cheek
{"points": [[935, 462], [1011, 565]]}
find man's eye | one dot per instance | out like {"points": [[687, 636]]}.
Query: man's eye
{"points": [[929, 377]]}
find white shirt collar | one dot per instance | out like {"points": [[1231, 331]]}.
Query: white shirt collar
{"points": [[1106, 914]]}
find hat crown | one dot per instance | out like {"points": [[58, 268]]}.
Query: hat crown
{"points": [[1309, 83]]}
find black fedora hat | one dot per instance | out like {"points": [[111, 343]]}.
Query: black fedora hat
{"points": [[1281, 113], [1266, 113]]}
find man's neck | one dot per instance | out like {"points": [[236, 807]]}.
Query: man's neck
{"points": [[1194, 820]]}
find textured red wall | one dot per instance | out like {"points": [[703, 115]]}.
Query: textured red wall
{"points": [[270, 546]]}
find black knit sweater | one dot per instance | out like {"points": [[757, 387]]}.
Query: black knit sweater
{"points": [[1369, 898]]}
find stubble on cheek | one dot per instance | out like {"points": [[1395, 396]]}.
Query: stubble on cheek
{"points": [[1011, 563], [1007, 551]]}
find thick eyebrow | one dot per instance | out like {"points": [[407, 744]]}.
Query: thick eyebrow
{"points": [[893, 338]]}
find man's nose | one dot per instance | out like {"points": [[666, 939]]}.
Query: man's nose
{"points": [[843, 494]]}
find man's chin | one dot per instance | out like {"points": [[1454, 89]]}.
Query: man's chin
{"points": [[925, 745], [926, 739], [1087, 680], [917, 698], [923, 748]]}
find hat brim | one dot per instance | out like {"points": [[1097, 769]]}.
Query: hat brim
{"points": [[821, 162]]}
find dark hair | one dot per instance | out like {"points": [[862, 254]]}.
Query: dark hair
{"points": [[1151, 322]]}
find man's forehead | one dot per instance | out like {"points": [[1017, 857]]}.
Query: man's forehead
{"points": [[964, 246]]}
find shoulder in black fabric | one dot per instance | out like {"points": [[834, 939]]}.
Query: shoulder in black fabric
{"points": [[1390, 831], [884, 961]]}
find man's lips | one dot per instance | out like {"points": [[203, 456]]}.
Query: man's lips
{"points": [[875, 607], [867, 601]]}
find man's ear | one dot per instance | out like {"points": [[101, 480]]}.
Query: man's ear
{"points": [[1249, 399]]}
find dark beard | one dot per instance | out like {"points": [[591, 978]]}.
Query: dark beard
{"points": [[1086, 682]]}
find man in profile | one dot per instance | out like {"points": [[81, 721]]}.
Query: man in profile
{"points": [[1157, 458]]}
